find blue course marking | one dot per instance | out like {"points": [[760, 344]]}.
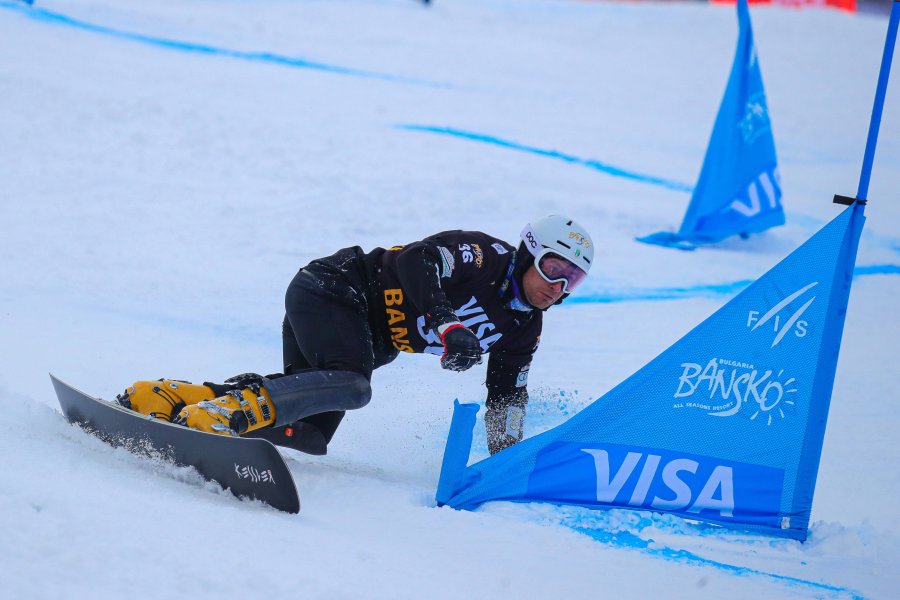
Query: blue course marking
{"points": [[585, 162], [666, 293], [877, 270], [700, 291], [46, 16], [624, 539]]}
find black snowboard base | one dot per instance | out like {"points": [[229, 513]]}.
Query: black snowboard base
{"points": [[247, 467]]}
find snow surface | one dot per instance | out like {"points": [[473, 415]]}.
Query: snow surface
{"points": [[167, 165]]}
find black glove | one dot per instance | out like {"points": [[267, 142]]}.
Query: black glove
{"points": [[462, 350]]}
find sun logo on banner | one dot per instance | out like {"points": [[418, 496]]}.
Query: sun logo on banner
{"points": [[764, 406]]}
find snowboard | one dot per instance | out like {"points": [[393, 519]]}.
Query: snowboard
{"points": [[247, 467]]}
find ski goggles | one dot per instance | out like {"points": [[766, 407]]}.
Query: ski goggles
{"points": [[555, 268]]}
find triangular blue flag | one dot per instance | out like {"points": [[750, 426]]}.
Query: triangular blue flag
{"points": [[724, 426], [739, 189]]}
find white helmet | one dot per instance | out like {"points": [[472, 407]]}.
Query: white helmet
{"points": [[561, 236]]}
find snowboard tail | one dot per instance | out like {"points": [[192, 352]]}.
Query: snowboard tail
{"points": [[247, 467]]}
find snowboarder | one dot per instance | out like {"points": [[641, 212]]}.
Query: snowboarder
{"points": [[458, 294]]}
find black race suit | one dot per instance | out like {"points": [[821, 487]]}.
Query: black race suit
{"points": [[354, 311]]}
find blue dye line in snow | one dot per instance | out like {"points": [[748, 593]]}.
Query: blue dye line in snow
{"points": [[695, 291], [671, 293], [624, 539], [47, 16], [585, 162], [877, 270]]}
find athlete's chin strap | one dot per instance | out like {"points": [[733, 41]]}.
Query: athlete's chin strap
{"points": [[517, 300]]}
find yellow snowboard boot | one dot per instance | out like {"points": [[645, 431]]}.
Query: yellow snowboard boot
{"points": [[237, 412], [163, 399]]}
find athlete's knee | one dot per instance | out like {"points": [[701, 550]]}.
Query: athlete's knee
{"points": [[359, 389], [316, 391]]}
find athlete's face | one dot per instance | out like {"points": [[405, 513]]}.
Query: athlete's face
{"points": [[539, 292]]}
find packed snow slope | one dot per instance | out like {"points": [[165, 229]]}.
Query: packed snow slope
{"points": [[168, 165]]}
